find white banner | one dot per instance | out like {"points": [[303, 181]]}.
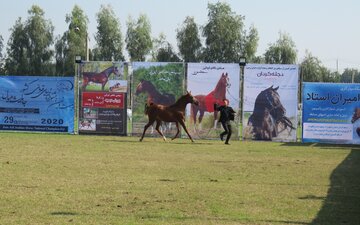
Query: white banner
{"points": [[270, 102], [211, 83]]}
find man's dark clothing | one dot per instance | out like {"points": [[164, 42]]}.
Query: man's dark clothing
{"points": [[226, 114]]}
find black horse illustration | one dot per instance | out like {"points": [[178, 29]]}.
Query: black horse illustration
{"points": [[269, 115]]}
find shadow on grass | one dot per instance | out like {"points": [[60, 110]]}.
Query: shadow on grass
{"points": [[342, 203], [63, 214]]}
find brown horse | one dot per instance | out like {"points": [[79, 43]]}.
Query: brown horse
{"points": [[154, 95], [206, 102], [100, 78], [173, 113], [268, 115]]}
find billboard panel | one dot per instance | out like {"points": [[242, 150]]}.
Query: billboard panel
{"points": [[270, 102], [37, 104]]}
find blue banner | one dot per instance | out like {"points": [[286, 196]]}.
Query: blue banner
{"points": [[331, 113], [37, 104]]}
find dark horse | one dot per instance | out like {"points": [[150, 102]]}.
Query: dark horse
{"points": [[355, 117], [100, 78], [268, 115], [154, 95], [206, 102], [173, 113]]}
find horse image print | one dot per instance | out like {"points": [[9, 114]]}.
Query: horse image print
{"points": [[355, 118], [99, 78], [206, 102], [268, 116], [153, 95]]}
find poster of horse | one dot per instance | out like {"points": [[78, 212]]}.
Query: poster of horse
{"points": [[102, 98], [155, 82], [331, 113], [270, 102], [210, 83]]}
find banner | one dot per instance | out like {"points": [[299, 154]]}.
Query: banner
{"points": [[42, 104], [211, 83], [270, 102], [102, 97], [159, 83], [331, 113]]}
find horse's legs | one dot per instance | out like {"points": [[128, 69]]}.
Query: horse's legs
{"points": [[146, 127], [158, 123], [201, 116], [183, 125], [215, 119], [178, 130]]}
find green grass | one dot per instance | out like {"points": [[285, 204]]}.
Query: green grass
{"points": [[72, 179]]}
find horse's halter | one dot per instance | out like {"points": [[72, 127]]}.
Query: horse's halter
{"points": [[269, 100]]}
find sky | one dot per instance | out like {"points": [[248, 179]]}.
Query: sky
{"points": [[328, 29]]}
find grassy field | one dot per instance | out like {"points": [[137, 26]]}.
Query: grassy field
{"points": [[68, 179]]}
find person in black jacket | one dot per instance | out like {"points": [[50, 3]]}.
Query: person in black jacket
{"points": [[226, 114]]}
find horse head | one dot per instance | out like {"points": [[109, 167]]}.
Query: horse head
{"points": [[141, 87], [270, 99], [356, 115], [189, 98], [224, 80]]}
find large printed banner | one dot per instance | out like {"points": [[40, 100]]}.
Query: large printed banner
{"points": [[102, 96], [331, 113], [211, 83], [37, 104], [159, 83], [270, 102]]}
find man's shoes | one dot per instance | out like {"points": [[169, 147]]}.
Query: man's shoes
{"points": [[227, 143], [221, 137]]}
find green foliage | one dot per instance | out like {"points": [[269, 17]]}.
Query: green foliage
{"points": [[312, 70], [138, 38], [251, 44], [29, 51], [350, 76], [188, 39], [224, 34], [72, 43], [108, 37], [166, 79], [282, 52]]}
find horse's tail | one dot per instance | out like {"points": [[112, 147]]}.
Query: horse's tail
{"points": [[147, 107]]}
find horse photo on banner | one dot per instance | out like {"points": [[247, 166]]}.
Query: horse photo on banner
{"points": [[211, 83], [102, 98], [270, 102], [155, 83], [331, 113]]}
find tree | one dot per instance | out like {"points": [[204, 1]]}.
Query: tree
{"points": [[350, 76], [72, 43], [282, 52], [312, 70], [2, 69], [138, 38], [29, 45], [251, 44], [163, 51], [224, 34], [188, 39], [40, 34], [16, 62], [108, 37]]}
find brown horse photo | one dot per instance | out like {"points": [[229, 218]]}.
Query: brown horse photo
{"points": [[153, 95], [269, 115], [206, 102], [99, 78], [173, 113]]}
